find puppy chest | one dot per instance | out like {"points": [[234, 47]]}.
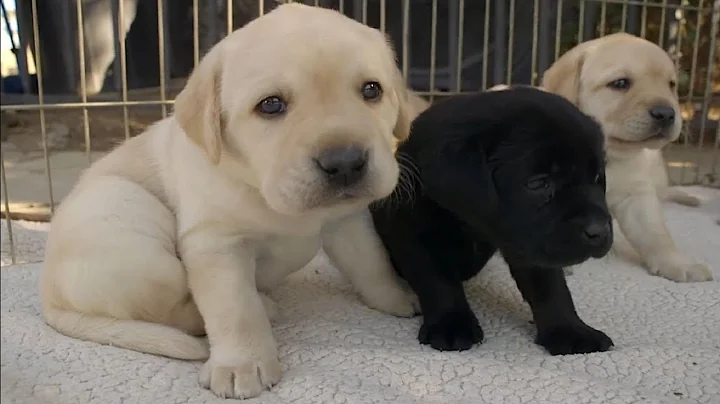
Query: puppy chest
{"points": [[278, 257], [626, 177]]}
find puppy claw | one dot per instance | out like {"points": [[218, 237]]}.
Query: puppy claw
{"points": [[243, 380], [456, 331], [680, 268], [577, 338]]}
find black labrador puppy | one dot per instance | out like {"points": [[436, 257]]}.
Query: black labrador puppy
{"points": [[519, 171]]}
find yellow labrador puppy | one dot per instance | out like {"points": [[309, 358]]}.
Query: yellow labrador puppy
{"points": [[282, 137], [628, 84]]}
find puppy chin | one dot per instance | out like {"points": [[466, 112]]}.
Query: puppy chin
{"points": [[653, 139], [554, 262], [303, 192], [561, 257], [285, 205], [326, 201]]}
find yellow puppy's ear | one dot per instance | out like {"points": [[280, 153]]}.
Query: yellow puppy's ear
{"points": [[498, 87], [417, 103], [563, 76], [405, 113], [197, 107]]}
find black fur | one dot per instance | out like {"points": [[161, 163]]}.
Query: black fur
{"points": [[521, 172]]}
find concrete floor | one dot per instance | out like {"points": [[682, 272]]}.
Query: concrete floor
{"points": [[27, 183]]}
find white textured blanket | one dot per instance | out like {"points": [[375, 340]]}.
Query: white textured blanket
{"points": [[335, 350]]}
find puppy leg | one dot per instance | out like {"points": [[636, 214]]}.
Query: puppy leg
{"points": [[243, 354], [560, 330], [658, 175], [435, 271], [448, 322], [355, 249], [641, 219]]}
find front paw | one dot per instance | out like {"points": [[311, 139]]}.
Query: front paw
{"points": [[679, 268], [393, 299], [244, 378], [574, 338], [454, 331]]}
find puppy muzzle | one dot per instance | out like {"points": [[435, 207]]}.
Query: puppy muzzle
{"points": [[663, 118], [342, 167], [597, 236]]}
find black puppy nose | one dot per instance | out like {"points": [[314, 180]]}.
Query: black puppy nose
{"points": [[343, 166], [663, 114], [596, 232]]}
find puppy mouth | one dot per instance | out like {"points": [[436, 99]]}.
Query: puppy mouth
{"points": [[658, 136], [342, 197], [349, 194], [562, 258]]}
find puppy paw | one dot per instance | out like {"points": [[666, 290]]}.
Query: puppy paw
{"points": [[578, 338], [240, 379], [686, 199], [679, 196], [393, 299], [454, 331], [680, 268], [690, 200]]}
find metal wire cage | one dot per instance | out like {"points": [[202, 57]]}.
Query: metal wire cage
{"points": [[123, 61]]}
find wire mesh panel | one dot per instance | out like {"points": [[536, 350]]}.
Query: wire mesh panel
{"points": [[89, 74]]}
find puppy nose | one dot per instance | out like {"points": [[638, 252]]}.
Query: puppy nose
{"points": [[596, 232], [663, 114], [343, 166]]}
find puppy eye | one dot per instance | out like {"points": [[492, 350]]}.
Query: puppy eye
{"points": [[620, 84], [539, 182], [371, 91], [272, 105], [673, 84]]}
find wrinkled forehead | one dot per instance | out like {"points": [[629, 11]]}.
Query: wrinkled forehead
{"points": [[308, 55], [571, 147], [632, 59]]}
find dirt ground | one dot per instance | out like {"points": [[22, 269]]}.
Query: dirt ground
{"points": [[106, 127], [66, 127]]}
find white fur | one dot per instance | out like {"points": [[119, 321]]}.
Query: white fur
{"points": [[177, 232]]}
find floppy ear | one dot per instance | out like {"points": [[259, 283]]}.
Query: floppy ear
{"points": [[457, 177], [197, 107], [498, 87], [563, 76], [417, 104], [405, 111]]}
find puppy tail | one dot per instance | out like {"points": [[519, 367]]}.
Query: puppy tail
{"points": [[672, 194], [141, 336]]}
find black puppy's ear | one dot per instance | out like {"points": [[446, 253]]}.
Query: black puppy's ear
{"points": [[459, 179]]}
